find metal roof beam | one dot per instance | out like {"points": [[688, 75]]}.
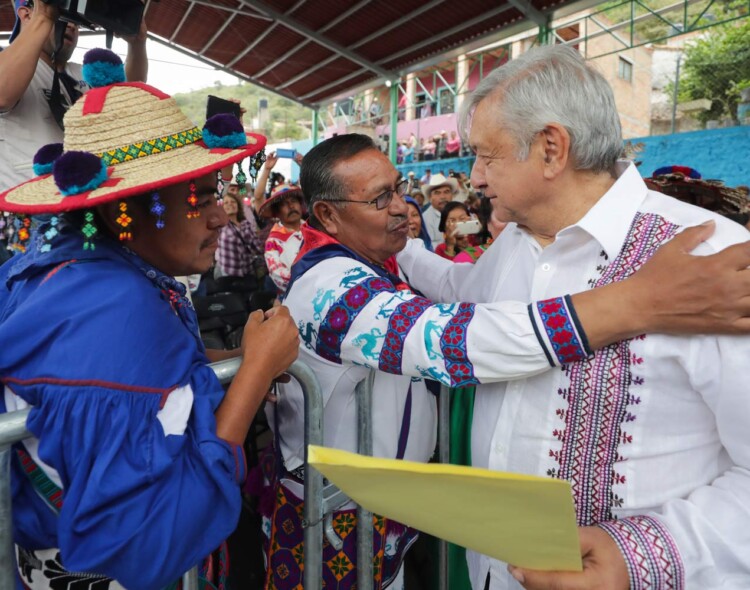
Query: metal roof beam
{"points": [[527, 9], [182, 21], [452, 31], [294, 50], [252, 45], [397, 23], [253, 14], [217, 34], [297, 27], [334, 83], [307, 72]]}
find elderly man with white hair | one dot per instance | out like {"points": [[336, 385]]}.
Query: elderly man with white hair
{"points": [[651, 432]]}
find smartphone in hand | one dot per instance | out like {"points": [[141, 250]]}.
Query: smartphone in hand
{"points": [[467, 228], [285, 153], [216, 105]]}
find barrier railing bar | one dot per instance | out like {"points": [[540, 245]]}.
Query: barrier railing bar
{"points": [[444, 444], [364, 517]]}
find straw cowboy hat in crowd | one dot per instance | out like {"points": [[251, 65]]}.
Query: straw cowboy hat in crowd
{"points": [[438, 180]]}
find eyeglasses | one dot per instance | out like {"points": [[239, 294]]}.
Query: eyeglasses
{"points": [[383, 199]]}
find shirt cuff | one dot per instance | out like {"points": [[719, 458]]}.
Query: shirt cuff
{"points": [[558, 330], [650, 552]]}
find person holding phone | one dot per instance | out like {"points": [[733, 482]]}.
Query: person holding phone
{"points": [[453, 215], [38, 84]]}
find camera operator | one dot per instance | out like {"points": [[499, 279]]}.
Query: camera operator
{"points": [[37, 85]]}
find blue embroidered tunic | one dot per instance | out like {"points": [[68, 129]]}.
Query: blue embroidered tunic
{"points": [[106, 350]]}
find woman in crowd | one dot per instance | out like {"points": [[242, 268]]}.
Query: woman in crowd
{"points": [[453, 214], [240, 252], [491, 228], [417, 229]]}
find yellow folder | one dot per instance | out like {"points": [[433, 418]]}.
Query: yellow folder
{"points": [[523, 520]]}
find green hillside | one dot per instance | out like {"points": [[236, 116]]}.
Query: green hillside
{"points": [[285, 120]]}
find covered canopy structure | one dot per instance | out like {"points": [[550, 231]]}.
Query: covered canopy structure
{"points": [[312, 51]]}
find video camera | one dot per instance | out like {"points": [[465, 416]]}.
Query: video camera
{"points": [[121, 17]]}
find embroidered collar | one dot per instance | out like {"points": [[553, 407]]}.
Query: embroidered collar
{"points": [[318, 246]]}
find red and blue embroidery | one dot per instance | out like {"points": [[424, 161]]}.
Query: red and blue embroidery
{"points": [[559, 325], [453, 347], [400, 323], [342, 314]]}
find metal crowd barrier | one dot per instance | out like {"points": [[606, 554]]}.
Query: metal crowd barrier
{"points": [[320, 502]]}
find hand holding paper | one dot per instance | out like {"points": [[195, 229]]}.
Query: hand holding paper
{"points": [[523, 520], [603, 567]]}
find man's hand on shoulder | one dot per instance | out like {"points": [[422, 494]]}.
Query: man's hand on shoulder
{"points": [[687, 294]]}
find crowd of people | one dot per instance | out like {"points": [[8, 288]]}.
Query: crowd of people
{"points": [[557, 286], [434, 147]]}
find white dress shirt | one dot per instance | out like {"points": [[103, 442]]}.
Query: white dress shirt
{"points": [[431, 218], [653, 433]]}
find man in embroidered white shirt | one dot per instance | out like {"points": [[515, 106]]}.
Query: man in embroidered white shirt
{"points": [[651, 432]]}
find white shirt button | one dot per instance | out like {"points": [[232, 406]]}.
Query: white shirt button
{"points": [[499, 448], [546, 267]]}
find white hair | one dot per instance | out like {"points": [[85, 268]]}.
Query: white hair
{"points": [[553, 84]]}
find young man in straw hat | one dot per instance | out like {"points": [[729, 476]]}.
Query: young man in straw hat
{"points": [[354, 314], [132, 475], [439, 191]]}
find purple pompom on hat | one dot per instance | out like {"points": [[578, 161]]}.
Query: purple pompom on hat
{"points": [[78, 172], [224, 131], [45, 158]]}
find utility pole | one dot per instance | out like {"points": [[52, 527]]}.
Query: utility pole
{"points": [[676, 92]]}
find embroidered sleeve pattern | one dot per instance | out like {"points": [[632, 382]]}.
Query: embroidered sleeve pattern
{"points": [[559, 331], [342, 314], [278, 272], [365, 320], [650, 553]]}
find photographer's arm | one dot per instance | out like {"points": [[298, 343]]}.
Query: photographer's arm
{"points": [[136, 63], [18, 61], [260, 185]]}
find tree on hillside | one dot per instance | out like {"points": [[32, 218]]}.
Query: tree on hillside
{"points": [[280, 125], [716, 67]]}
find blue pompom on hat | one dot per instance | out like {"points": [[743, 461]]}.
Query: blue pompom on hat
{"points": [[224, 131], [102, 67]]}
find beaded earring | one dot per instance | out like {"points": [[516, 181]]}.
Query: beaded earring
{"points": [[157, 209], [124, 220], [257, 164], [241, 180], [89, 231], [50, 234], [192, 202]]}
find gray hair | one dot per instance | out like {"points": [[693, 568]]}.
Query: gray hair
{"points": [[553, 84]]}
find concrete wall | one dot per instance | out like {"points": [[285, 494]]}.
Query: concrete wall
{"points": [[723, 154]]}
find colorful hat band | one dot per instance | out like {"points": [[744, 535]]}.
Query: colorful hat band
{"points": [[142, 149]]}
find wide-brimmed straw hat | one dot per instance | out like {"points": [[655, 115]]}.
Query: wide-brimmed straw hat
{"points": [[125, 139], [278, 194], [438, 180]]}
